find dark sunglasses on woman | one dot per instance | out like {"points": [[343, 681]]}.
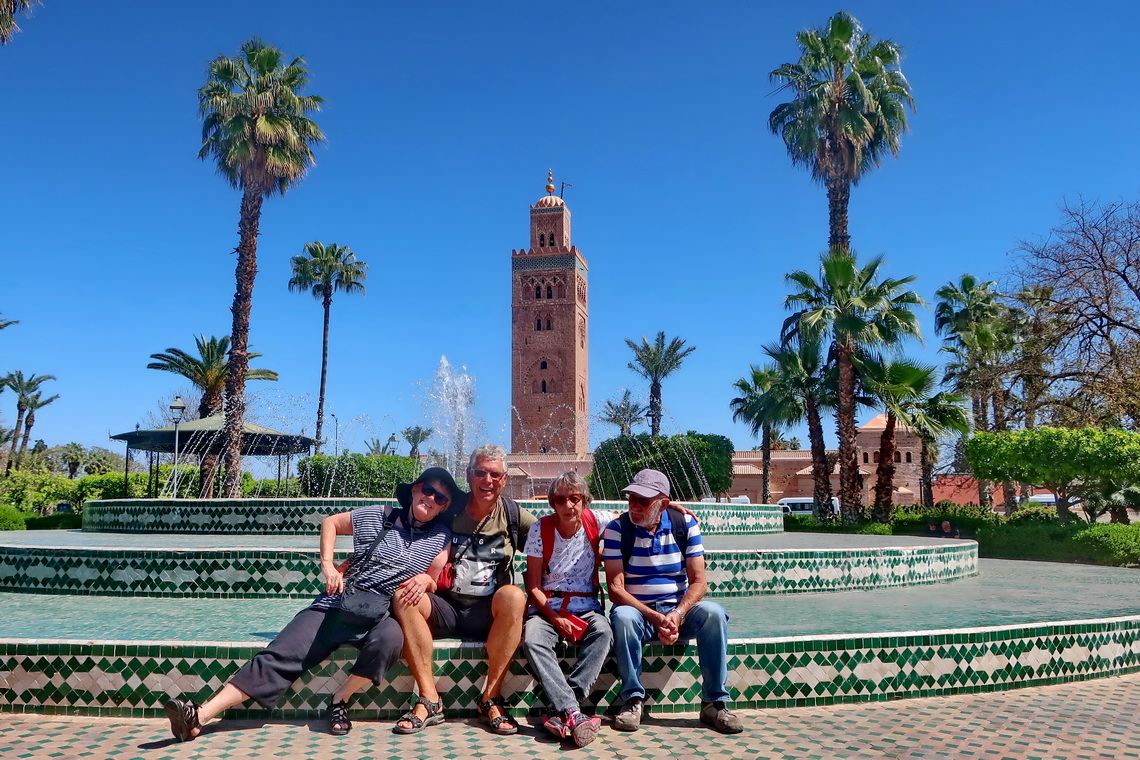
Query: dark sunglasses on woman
{"points": [[439, 498]]}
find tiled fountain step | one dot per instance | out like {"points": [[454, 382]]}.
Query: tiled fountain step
{"points": [[78, 562], [303, 516], [990, 632]]}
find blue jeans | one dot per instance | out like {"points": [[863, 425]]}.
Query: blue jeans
{"points": [[707, 622]]}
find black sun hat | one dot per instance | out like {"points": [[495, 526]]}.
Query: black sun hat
{"points": [[458, 496]]}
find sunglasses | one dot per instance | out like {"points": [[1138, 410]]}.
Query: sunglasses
{"points": [[438, 497], [495, 476], [641, 501], [561, 499]]}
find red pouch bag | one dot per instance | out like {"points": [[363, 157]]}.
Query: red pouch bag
{"points": [[578, 624]]}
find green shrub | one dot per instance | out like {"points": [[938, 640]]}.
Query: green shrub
{"points": [[57, 521], [36, 492], [11, 518], [268, 488], [110, 486], [1034, 541], [1111, 544], [1035, 513], [355, 475], [806, 524]]}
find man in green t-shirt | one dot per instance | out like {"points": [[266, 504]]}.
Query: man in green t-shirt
{"points": [[477, 601]]}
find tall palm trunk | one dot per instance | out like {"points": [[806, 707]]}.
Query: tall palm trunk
{"points": [[20, 410], [849, 500], [981, 424], [239, 340], [766, 449], [28, 423], [655, 409], [820, 466], [885, 472], [1009, 494], [927, 474], [324, 366], [838, 199]]}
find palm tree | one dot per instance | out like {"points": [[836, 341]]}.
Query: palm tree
{"points": [[255, 127], [807, 379], [323, 272], [766, 406], [932, 418], [8, 11], [782, 443], [848, 110], [855, 309], [625, 413], [656, 362], [24, 388], [899, 387], [35, 401], [74, 456], [208, 371], [415, 435]]}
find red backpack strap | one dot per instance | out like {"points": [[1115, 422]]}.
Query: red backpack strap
{"points": [[546, 525]]}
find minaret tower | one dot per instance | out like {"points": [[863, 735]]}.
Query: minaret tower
{"points": [[549, 336]]}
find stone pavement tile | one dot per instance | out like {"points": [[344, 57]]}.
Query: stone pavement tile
{"points": [[1068, 722]]}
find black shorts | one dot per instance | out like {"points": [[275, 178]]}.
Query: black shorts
{"points": [[452, 619]]}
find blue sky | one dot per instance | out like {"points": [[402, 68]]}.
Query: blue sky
{"points": [[442, 119]]}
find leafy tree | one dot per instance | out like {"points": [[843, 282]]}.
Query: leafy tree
{"points": [[655, 362], [24, 388], [101, 461], [326, 270], [416, 435], [857, 311], [255, 127], [35, 401], [697, 464], [624, 412], [766, 406], [8, 11], [848, 110], [209, 372], [1070, 463]]}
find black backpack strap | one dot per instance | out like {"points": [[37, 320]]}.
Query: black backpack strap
{"points": [[627, 535], [680, 529], [677, 525], [513, 519]]}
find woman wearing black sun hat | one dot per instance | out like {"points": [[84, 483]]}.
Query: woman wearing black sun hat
{"points": [[396, 558]]}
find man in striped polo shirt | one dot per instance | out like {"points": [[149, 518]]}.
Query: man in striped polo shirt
{"points": [[655, 570]]}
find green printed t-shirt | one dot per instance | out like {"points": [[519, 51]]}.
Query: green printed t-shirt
{"points": [[482, 562]]}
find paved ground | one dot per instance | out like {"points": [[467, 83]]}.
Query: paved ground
{"points": [[1093, 719]]}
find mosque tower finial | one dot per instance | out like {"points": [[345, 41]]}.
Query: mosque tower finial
{"points": [[550, 181]]}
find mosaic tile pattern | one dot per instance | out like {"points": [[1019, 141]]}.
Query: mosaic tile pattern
{"points": [[293, 516], [295, 573], [132, 679]]}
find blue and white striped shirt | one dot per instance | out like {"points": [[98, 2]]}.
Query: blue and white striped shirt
{"points": [[655, 570]]}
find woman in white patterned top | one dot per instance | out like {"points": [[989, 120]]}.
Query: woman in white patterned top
{"points": [[397, 556], [562, 582]]}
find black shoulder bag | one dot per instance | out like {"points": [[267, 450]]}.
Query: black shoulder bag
{"points": [[361, 606]]}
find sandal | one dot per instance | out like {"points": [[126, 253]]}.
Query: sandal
{"points": [[496, 724], [337, 717], [417, 724], [183, 715]]}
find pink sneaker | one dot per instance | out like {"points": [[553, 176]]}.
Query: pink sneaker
{"points": [[584, 730], [554, 725]]}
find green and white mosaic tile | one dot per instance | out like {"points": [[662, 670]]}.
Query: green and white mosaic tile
{"points": [[301, 516], [133, 678], [280, 573]]}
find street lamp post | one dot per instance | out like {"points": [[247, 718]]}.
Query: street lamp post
{"points": [[177, 408], [336, 436], [390, 446]]}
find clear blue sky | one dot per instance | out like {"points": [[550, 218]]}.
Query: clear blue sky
{"points": [[442, 119]]}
